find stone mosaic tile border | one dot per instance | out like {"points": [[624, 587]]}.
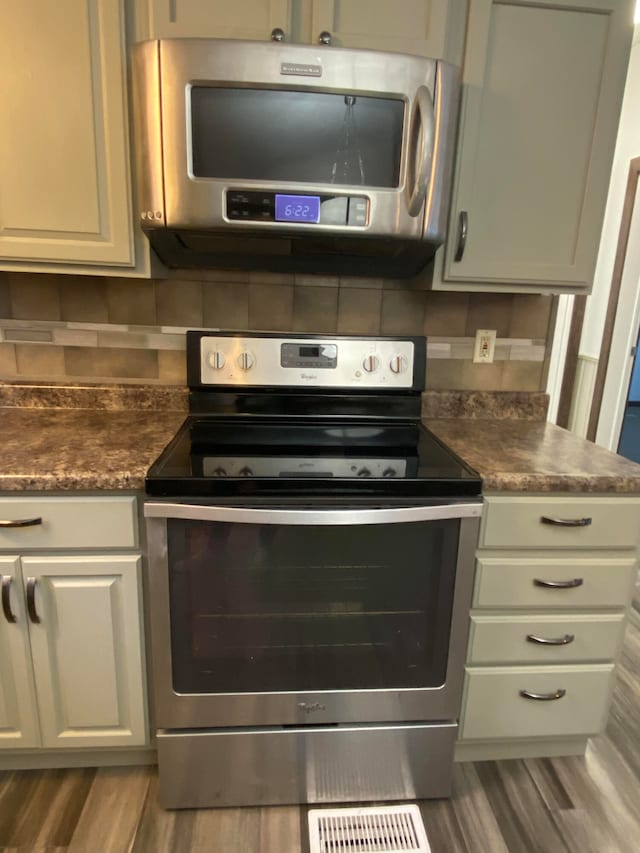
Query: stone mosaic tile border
{"points": [[172, 338]]}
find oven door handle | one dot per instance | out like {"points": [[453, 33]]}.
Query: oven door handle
{"points": [[250, 515]]}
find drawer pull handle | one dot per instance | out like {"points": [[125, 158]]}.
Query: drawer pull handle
{"points": [[543, 697], [566, 522], [551, 641], [20, 522], [6, 599], [31, 601], [559, 584]]}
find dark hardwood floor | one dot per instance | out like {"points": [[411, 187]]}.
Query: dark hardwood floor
{"points": [[587, 804]]}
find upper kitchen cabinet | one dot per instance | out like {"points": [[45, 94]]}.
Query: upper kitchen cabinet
{"points": [[425, 27], [543, 86], [432, 28], [65, 180], [242, 19]]}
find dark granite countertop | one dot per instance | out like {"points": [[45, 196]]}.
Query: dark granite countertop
{"points": [[90, 438], [529, 456], [84, 437], [79, 449]]}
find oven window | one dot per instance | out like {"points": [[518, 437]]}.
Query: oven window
{"points": [[269, 607], [305, 137]]}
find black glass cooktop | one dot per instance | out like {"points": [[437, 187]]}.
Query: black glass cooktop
{"points": [[226, 456]]}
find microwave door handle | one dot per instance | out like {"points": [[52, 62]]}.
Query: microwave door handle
{"points": [[252, 515], [425, 115]]}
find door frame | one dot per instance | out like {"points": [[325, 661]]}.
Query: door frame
{"points": [[622, 322]]}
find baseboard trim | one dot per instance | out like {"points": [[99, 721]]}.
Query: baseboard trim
{"points": [[526, 748], [47, 759]]}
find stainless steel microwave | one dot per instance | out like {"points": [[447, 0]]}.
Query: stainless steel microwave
{"points": [[293, 157]]}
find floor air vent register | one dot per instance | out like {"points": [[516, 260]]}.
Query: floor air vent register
{"points": [[386, 829]]}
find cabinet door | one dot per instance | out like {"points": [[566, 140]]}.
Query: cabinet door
{"points": [[414, 26], [87, 650], [18, 707], [64, 168], [543, 86], [242, 19]]}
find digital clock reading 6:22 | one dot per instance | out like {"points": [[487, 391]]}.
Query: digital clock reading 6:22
{"points": [[298, 208]]}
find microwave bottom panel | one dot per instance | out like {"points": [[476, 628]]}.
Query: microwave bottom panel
{"points": [[364, 256]]}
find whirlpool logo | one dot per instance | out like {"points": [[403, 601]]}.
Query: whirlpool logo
{"points": [[309, 707]]}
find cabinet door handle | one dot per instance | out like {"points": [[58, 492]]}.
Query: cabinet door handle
{"points": [[551, 641], [566, 522], [31, 600], [20, 522], [277, 34], [6, 599], [463, 230], [570, 584], [543, 697], [325, 37]]}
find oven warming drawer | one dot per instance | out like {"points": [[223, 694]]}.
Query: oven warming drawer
{"points": [[240, 767]]}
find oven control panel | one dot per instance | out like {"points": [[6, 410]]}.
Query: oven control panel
{"points": [[302, 466], [307, 362]]}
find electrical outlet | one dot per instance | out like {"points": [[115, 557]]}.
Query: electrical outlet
{"points": [[485, 346]]}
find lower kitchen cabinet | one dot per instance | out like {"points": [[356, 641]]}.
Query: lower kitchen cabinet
{"points": [[18, 703], [72, 668], [536, 701], [72, 661], [554, 579]]}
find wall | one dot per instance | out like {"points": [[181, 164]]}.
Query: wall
{"points": [[83, 328], [627, 147]]}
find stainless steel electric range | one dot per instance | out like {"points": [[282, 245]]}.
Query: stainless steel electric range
{"points": [[311, 552]]}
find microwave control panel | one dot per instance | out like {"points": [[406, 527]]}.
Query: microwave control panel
{"points": [[297, 208]]}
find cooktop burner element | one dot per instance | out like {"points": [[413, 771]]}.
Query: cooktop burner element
{"points": [[274, 415]]}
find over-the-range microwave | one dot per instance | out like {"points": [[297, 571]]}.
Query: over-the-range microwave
{"points": [[293, 157]]}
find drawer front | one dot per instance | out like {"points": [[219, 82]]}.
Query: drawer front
{"points": [[519, 639], [74, 522], [305, 765], [494, 708], [512, 582], [518, 522]]}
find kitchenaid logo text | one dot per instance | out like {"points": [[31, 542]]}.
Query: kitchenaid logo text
{"points": [[303, 70]]}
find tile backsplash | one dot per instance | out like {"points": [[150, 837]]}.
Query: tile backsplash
{"points": [[85, 328]]}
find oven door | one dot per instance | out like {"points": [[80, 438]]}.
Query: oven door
{"points": [[281, 615]]}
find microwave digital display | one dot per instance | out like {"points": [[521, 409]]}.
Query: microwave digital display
{"points": [[297, 208]]}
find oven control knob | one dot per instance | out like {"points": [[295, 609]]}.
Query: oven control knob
{"points": [[245, 360], [219, 472], [216, 359], [371, 363], [398, 364], [245, 472], [364, 472], [389, 472]]}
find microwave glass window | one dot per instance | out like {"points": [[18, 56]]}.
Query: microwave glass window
{"points": [[305, 137]]}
